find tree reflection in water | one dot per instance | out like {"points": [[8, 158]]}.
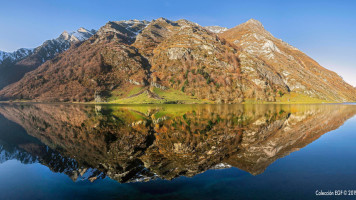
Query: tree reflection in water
{"points": [[145, 142]]}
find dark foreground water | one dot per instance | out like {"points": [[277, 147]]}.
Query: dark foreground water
{"points": [[56, 151]]}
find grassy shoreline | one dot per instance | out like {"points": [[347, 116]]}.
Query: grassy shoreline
{"points": [[164, 97], [180, 103]]}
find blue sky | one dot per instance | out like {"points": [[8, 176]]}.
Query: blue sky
{"points": [[325, 30]]}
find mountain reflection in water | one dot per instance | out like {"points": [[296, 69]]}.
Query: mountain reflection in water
{"points": [[141, 143]]}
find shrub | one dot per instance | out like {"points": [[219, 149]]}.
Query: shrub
{"points": [[280, 93]]}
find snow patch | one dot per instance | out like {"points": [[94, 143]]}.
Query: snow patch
{"points": [[80, 35], [216, 29], [16, 55], [221, 166]]}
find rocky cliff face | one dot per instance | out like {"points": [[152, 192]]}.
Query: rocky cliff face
{"points": [[245, 63], [13, 66], [139, 145], [268, 61]]}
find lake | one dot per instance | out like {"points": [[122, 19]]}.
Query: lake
{"points": [[66, 151]]}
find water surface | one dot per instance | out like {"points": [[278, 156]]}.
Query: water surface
{"points": [[63, 151]]}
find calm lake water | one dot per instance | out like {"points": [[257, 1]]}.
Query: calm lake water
{"points": [[62, 151]]}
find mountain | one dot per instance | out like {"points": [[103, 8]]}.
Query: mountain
{"points": [[10, 73], [14, 65], [185, 57], [14, 56], [271, 60], [89, 70], [166, 61]]}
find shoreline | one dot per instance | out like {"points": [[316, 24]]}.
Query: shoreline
{"points": [[206, 103]]}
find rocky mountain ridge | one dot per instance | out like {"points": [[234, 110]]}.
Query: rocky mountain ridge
{"points": [[180, 61], [14, 65], [284, 64], [16, 55]]}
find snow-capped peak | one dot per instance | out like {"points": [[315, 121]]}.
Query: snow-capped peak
{"points": [[65, 35], [130, 28], [135, 26], [81, 34], [50, 47], [82, 30], [16, 55], [3, 54], [133, 21]]}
